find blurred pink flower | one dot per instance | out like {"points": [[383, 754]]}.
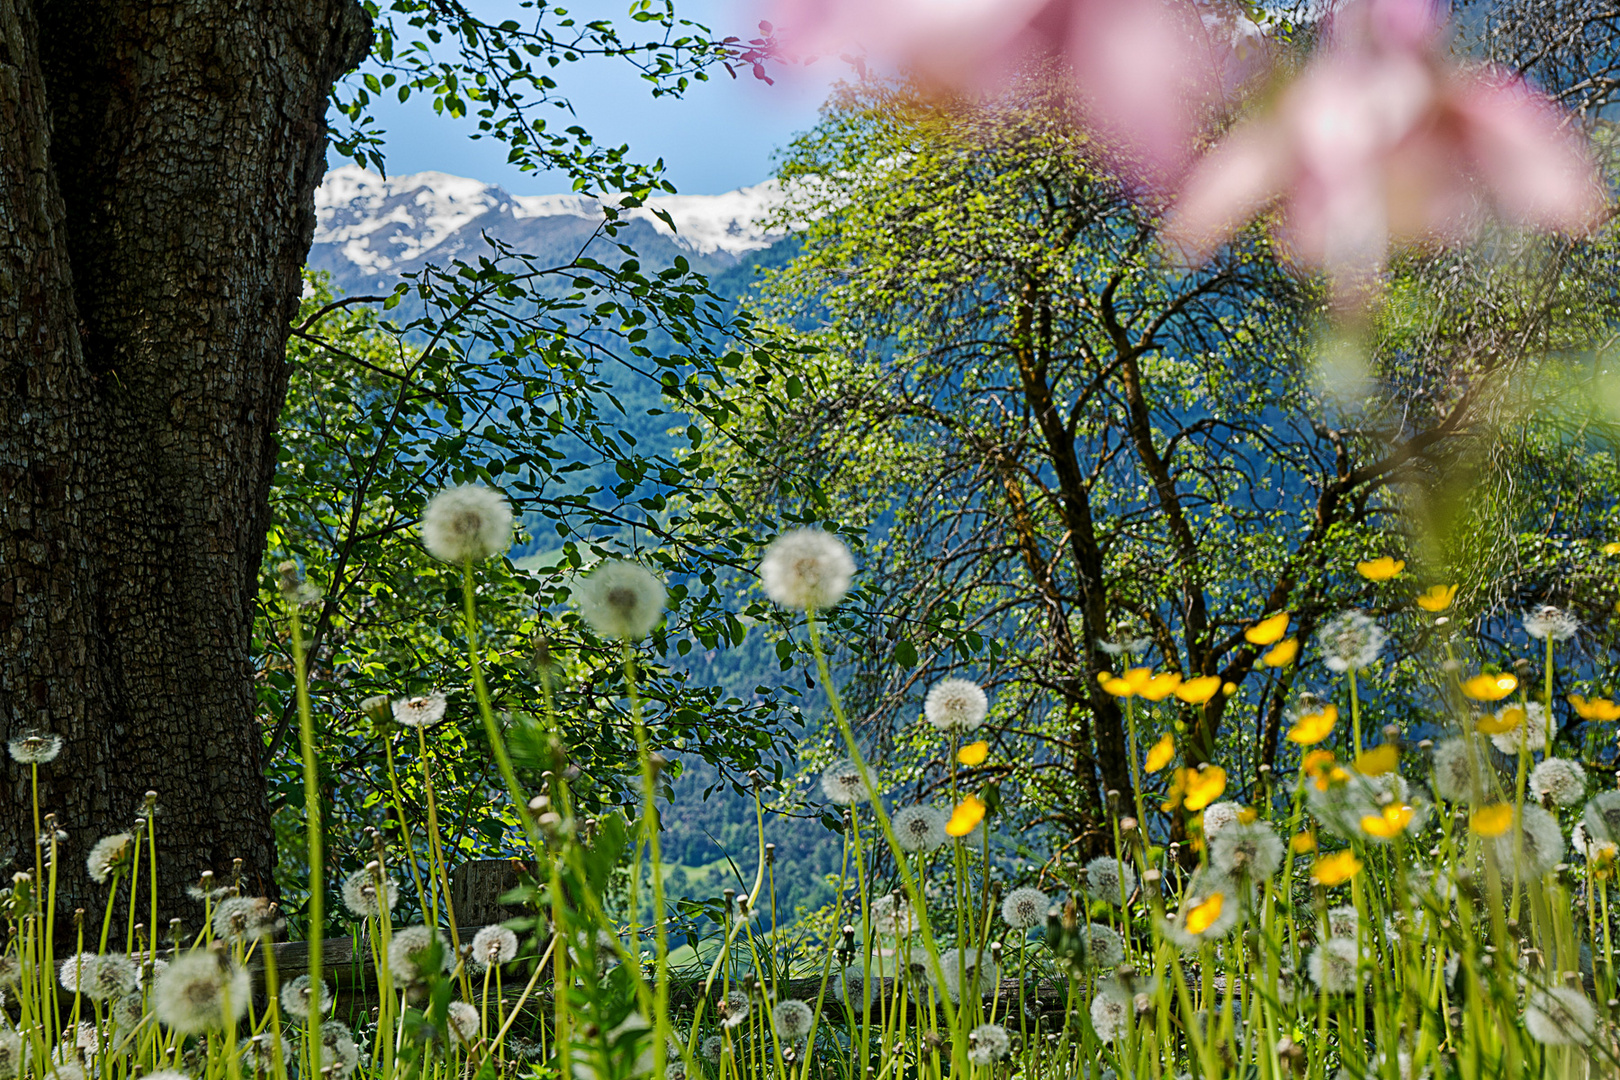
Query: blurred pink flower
{"points": [[1383, 140], [1144, 71]]}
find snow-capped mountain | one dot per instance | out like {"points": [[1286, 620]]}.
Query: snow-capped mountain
{"points": [[369, 229]]}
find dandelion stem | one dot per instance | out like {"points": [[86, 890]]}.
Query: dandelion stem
{"points": [[315, 928]]}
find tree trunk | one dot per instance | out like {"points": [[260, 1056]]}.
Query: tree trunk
{"points": [[157, 170]]}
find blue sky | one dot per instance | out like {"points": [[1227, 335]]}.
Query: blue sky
{"points": [[718, 137]]}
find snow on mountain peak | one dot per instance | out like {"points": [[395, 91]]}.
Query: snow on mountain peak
{"points": [[382, 225]]}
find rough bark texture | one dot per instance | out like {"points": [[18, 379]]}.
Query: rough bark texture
{"points": [[157, 169]]}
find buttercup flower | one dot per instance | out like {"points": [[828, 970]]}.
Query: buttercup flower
{"points": [[466, 524], [807, 568], [622, 600]]}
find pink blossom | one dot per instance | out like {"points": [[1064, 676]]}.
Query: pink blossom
{"points": [[1143, 70], [1384, 140]]}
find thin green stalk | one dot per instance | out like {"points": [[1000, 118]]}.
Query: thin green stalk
{"points": [[316, 926]]}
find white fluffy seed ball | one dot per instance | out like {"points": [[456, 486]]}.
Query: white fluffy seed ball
{"points": [[957, 705], [807, 568], [467, 524], [622, 600]]}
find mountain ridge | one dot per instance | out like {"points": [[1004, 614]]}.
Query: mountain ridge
{"points": [[370, 230]]}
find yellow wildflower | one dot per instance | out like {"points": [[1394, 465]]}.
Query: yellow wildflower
{"points": [[968, 813], [1484, 687], [1382, 569], [1162, 752], [1268, 631], [1491, 820], [1335, 869], [1437, 597], [1285, 652], [1312, 728], [973, 753]]}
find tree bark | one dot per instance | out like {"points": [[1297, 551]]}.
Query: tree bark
{"points": [[157, 170]]}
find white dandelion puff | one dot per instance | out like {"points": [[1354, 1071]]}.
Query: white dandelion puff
{"points": [[1602, 817], [409, 950], [1218, 816], [1247, 853], [1024, 908], [807, 568], [1560, 1016], [892, 916], [920, 828], [114, 976], [110, 853], [419, 712], [13, 1054], [245, 918], [988, 1044], [622, 600], [1549, 623], [361, 892], [201, 991], [1459, 770], [1109, 880], [841, 782], [35, 747], [956, 705], [1216, 901], [1535, 835], [464, 1022], [965, 971], [792, 1019], [733, 1009], [296, 994], [77, 974], [1111, 1012], [1332, 965], [338, 1050], [467, 524], [1342, 921], [1592, 849], [712, 1048], [1105, 949], [1350, 641], [1529, 734], [1559, 779], [493, 946]]}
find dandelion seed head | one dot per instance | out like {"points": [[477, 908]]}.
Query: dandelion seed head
{"points": [[733, 1009], [295, 995], [419, 712], [1024, 908], [956, 705], [1111, 1012], [1560, 1016], [988, 1044], [892, 916], [1350, 641], [807, 568], [467, 524], [967, 972], [13, 1054], [1218, 816], [1342, 921], [10, 970], [1536, 835], [920, 828], [113, 977], [493, 946], [201, 991], [408, 952], [464, 1022], [1549, 623], [712, 1048], [245, 918], [1529, 734], [77, 974], [338, 1049], [1190, 931], [1332, 965], [842, 784], [622, 600], [1455, 764], [1104, 947], [792, 1019], [110, 853], [1109, 880], [35, 747], [1247, 853], [1602, 817], [361, 892], [1591, 848], [1559, 779]]}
